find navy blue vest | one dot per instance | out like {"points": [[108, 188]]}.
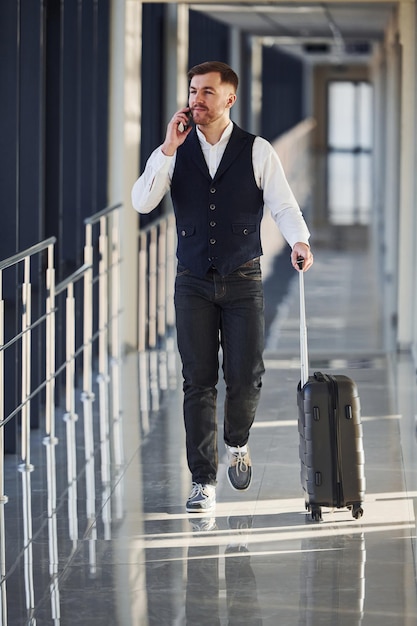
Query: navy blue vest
{"points": [[218, 219]]}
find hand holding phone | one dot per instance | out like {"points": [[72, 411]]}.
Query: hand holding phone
{"points": [[183, 127], [178, 130]]}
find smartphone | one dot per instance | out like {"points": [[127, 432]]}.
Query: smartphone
{"points": [[181, 126], [190, 120]]}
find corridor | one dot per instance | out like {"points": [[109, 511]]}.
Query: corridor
{"points": [[93, 528], [120, 550]]}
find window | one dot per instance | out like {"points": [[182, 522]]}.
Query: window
{"points": [[349, 152]]}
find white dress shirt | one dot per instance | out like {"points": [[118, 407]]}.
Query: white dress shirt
{"points": [[155, 181]]}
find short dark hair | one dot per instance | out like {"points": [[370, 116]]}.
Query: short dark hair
{"points": [[226, 73]]}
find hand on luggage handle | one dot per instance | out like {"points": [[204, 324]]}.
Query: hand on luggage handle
{"points": [[300, 262]]}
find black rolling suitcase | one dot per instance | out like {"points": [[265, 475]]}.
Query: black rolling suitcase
{"points": [[330, 430]]}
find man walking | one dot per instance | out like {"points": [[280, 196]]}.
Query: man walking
{"points": [[220, 178]]}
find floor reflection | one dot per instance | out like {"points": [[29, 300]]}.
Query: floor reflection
{"points": [[96, 532], [203, 587], [332, 581], [72, 498]]}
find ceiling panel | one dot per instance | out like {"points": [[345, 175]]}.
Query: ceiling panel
{"points": [[336, 29]]}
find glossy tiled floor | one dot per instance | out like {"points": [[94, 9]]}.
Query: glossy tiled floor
{"points": [[119, 549]]}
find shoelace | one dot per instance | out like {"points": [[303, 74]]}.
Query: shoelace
{"points": [[198, 489], [240, 462]]}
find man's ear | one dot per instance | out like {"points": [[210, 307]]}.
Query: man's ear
{"points": [[231, 100]]}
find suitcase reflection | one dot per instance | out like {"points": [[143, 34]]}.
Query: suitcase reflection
{"points": [[333, 589]]}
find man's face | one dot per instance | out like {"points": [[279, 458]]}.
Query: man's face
{"points": [[209, 98]]}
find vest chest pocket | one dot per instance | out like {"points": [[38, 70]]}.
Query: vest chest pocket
{"points": [[243, 229], [186, 230]]}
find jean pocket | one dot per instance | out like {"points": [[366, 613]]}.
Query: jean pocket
{"points": [[250, 272]]}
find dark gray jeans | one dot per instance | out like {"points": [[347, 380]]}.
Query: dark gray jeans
{"points": [[216, 311]]}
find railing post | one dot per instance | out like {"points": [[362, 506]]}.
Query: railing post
{"points": [[25, 467], [171, 270], [28, 538], [50, 347], [50, 441], [162, 277], [153, 281], [142, 292], [3, 497], [26, 364], [88, 313], [103, 376], [87, 395], [70, 416], [103, 299], [115, 356]]}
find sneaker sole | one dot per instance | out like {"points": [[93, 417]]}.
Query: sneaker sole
{"points": [[206, 509]]}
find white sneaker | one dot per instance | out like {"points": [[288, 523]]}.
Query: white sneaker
{"points": [[201, 499]]}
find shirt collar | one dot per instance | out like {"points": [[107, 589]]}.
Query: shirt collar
{"points": [[225, 135]]}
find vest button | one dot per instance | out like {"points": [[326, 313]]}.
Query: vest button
{"points": [[212, 223], [183, 233], [212, 241], [213, 190], [245, 231], [212, 207]]}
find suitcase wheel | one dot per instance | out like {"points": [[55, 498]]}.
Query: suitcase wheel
{"points": [[357, 510], [316, 513]]}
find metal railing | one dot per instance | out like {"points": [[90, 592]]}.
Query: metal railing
{"points": [[98, 352], [23, 337], [157, 267]]}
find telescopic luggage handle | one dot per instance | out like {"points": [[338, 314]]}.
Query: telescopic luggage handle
{"points": [[303, 326]]}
